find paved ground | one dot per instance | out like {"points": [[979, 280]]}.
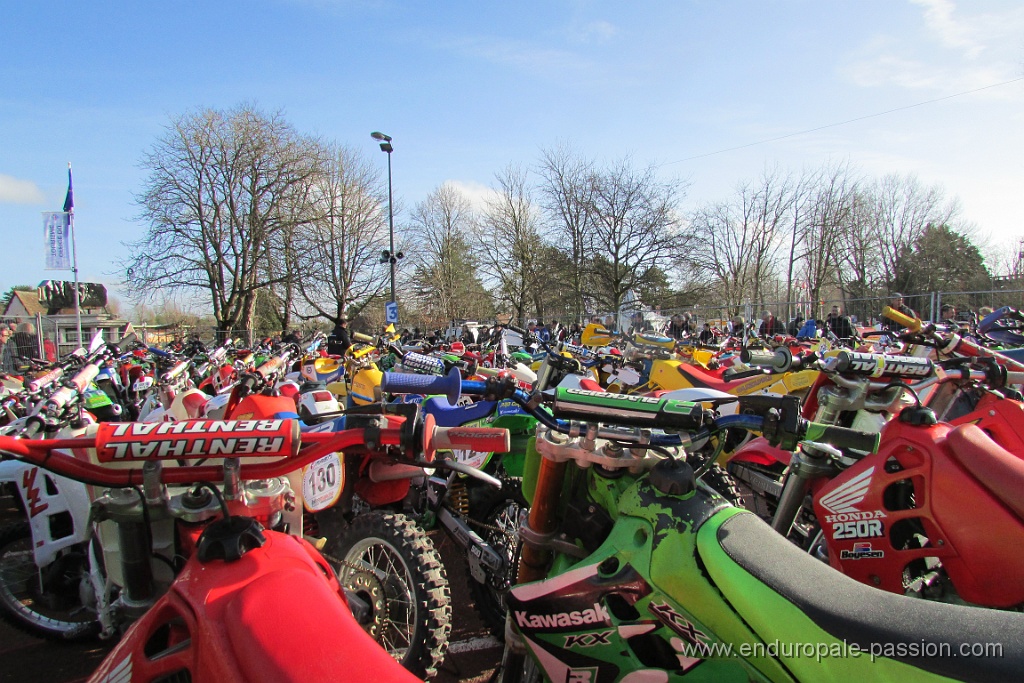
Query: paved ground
{"points": [[472, 660]]}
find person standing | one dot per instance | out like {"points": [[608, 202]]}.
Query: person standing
{"points": [[770, 325], [26, 341], [707, 335], [896, 303], [7, 353], [339, 341], [675, 327], [840, 324]]}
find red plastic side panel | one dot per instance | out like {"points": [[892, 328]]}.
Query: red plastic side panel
{"points": [[969, 530]]}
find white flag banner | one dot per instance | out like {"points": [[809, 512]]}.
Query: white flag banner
{"points": [[57, 236]]}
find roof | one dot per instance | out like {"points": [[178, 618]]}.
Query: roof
{"points": [[29, 301]]}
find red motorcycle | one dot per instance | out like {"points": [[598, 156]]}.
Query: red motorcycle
{"points": [[932, 512], [251, 601]]}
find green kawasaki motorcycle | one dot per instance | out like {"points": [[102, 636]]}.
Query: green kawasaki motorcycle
{"points": [[632, 571]]}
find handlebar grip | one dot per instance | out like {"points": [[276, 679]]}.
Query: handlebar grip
{"points": [[516, 328], [478, 439], [780, 359], [912, 324], [159, 352], [841, 437], [360, 337], [421, 363], [408, 383]]}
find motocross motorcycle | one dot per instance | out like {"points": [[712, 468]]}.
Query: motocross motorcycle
{"points": [[478, 501], [908, 501], [353, 504], [633, 571], [212, 583], [657, 369]]}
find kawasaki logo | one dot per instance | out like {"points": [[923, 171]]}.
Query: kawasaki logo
{"points": [[597, 615], [844, 499]]}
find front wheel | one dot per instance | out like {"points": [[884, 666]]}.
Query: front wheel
{"points": [[389, 562], [44, 602], [497, 522]]}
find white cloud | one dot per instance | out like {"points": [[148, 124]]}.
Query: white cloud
{"points": [[478, 194], [952, 33], [16, 191], [955, 51]]}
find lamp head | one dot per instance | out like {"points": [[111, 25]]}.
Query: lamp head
{"points": [[380, 137]]}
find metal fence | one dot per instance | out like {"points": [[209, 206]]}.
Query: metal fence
{"points": [[864, 311]]}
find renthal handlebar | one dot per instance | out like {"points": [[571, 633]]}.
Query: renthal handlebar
{"points": [[281, 439], [879, 364]]}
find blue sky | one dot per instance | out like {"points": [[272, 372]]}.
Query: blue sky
{"points": [[465, 88]]}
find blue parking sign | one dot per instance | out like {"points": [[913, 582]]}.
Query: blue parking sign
{"points": [[391, 312]]}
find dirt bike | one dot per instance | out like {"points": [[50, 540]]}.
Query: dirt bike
{"points": [[212, 583], [354, 505], [479, 502], [633, 571], [657, 369]]}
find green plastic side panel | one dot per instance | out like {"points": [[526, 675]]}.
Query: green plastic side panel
{"points": [[776, 619]]}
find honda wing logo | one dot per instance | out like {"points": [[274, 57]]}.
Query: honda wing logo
{"points": [[845, 498]]}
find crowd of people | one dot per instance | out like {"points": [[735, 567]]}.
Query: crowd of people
{"points": [[19, 343]]}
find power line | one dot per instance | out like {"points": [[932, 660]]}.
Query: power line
{"points": [[843, 123]]}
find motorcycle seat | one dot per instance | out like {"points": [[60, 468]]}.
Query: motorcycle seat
{"points": [[754, 566], [996, 468]]}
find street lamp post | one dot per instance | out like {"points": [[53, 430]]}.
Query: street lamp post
{"points": [[389, 256]]}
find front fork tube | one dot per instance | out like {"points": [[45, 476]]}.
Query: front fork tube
{"points": [[805, 466], [533, 558], [543, 520]]}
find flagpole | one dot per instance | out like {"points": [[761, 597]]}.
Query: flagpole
{"points": [[74, 260]]}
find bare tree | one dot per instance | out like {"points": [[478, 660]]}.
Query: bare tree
{"points": [[509, 235], [737, 242], [635, 228], [828, 218], [342, 246], [444, 278], [221, 186], [901, 209], [567, 192]]}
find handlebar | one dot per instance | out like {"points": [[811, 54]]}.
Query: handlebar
{"points": [[280, 439], [364, 338], [878, 364]]}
